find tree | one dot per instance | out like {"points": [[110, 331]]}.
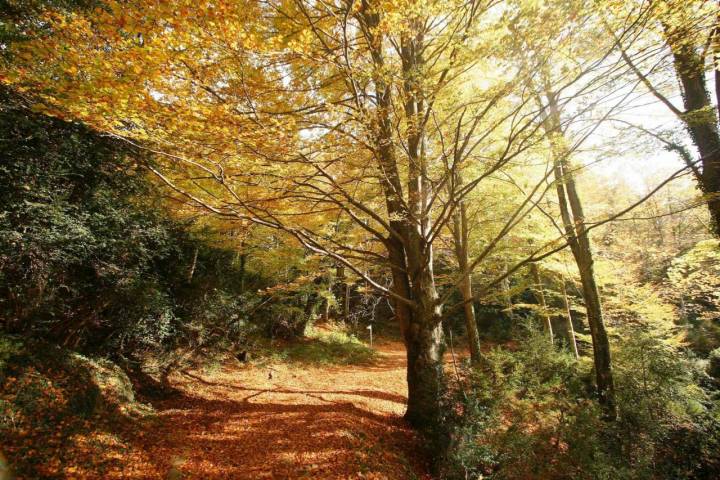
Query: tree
{"points": [[686, 29], [297, 116]]}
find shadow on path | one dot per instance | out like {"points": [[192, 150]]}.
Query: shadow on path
{"points": [[320, 423]]}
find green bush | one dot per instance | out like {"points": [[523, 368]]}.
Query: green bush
{"points": [[694, 280], [713, 368], [89, 257], [530, 413]]}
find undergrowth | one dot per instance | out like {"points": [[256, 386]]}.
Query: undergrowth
{"points": [[329, 344], [531, 414]]}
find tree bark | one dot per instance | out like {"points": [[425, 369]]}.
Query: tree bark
{"points": [[460, 239], [582, 252], [243, 262], [344, 292], [570, 327], [408, 249], [193, 264], [425, 374], [591, 296], [424, 338]]}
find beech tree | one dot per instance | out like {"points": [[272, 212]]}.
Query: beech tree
{"points": [[340, 124], [679, 38]]}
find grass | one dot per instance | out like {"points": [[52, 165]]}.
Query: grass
{"points": [[327, 345]]}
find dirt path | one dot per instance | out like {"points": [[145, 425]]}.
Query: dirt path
{"points": [[286, 421]]}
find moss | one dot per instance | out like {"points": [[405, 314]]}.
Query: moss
{"points": [[9, 346]]}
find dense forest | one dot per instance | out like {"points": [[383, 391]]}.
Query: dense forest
{"points": [[384, 239]]}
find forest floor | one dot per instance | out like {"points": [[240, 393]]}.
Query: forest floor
{"points": [[282, 421]]}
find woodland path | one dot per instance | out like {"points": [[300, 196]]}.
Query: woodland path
{"points": [[325, 422]]}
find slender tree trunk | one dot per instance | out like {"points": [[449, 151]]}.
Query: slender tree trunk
{"points": [[243, 262], [460, 238], [326, 302], [591, 296], [573, 218], [508, 295], [193, 264], [540, 293], [715, 44], [346, 302], [344, 292], [580, 246], [570, 327]]}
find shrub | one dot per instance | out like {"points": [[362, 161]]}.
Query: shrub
{"points": [[531, 414], [713, 368]]}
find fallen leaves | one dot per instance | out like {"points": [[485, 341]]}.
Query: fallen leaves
{"points": [[305, 422], [330, 422]]}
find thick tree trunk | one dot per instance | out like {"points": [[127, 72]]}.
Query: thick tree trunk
{"points": [[699, 117], [425, 378], [424, 344], [409, 253], [423, 336]]}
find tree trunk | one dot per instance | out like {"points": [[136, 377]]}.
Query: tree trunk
{"points": [[505, 285], [470, 321], [540, 294], [424, 344], [460, 238], [699, 117], [344, 288], [591, 296], [580, 246], [409, 252], [573, 219], [243, 261], [424, 373], [570, 327], [193, 264]]}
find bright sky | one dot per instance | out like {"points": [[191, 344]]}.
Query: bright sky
{"points": [[638, 160]]}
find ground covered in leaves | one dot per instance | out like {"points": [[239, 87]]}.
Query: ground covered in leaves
{"points": [[273, 419]]}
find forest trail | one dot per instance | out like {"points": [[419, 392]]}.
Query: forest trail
{"points": [[285, 421]]}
